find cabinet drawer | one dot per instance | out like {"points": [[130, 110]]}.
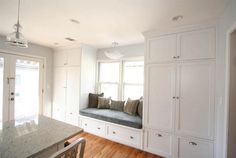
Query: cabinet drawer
{"points": [[123, 135], [193, 148], [94, 127], [159, 143]]}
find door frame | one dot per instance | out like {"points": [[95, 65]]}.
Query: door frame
{"points": [[227, 88], [42, 60]]}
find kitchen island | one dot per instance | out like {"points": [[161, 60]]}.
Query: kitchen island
{"points": [[36, 136]]}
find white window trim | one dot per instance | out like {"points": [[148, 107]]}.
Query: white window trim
{"points": [[121, 83]]}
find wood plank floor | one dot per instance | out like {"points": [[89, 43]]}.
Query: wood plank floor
{"points": [[97, 147]]}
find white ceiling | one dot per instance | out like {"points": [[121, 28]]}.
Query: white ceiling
{"points": [[101, 21]]}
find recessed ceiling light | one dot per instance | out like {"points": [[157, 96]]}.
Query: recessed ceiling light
{"points": [[70, 39], [74, 21], [177, 18]]}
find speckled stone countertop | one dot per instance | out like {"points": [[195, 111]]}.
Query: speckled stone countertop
{"points": [[27, 137]]}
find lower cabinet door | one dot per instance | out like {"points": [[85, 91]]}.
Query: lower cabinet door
{"points": [[193, 148], [124, 135], [159, 143], [93, 127]]}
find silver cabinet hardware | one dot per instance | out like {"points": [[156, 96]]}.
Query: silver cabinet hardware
{"points": [[114, 132], [173, 97], [99, 128], [159, 135], [193, 143], [131, 137]]}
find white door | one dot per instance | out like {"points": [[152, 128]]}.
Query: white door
{"points": [[160, 93], [21, 82], [195, 106], [59, 93], [162, 49], [72, 95]]}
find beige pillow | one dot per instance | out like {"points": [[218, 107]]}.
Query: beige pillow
{"points": [[131, 106], [104, 103], [117, 105], [93, 100]]}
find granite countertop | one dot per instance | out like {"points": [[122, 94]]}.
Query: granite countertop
{"points": [[29, 136]]}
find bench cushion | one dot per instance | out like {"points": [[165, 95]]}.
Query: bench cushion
{"points": [[113, 116]]}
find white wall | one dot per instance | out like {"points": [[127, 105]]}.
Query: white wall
{"points": [[227, 20], [232, 99], [36, 50], [128, 51]]}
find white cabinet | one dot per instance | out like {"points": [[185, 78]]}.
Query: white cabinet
{"points": [[69, 72], [195, 108], [161, 78], [159, 142], [162, 49], [197, 44], [193, 148], [180, 93], [67, 57]]}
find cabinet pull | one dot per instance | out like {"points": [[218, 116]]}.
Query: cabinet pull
{"points": [[177, 97], [174, 57], [193, 143], [99, 128], [173, 97], [131, 137], [114, 132], [85, 124], [159, 135], [177, 57]]}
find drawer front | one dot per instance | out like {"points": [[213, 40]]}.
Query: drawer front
{"points": [[94, 127], [193, 148], [123, 135], [158, 142]]}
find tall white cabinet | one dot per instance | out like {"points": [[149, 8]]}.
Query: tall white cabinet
{"points": [[179, 93], [74, 78]]}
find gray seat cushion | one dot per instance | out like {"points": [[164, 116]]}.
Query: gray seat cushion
{"points": [[113, 116]]}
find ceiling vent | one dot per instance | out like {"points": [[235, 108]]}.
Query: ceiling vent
{"points": [[70, 39]]}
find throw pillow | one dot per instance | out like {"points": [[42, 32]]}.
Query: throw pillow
{"points": [[117, 105], [104, 103], [93, 100], [131, 106], [140, 108]]}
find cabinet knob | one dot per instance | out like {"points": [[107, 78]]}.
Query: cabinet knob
{"points": [[177, 97], [174, 57], [99, 128], [114, 132], [193, 143], [131, 137], [159, 135], [85, 124], [173, 97], [177, 57], [12, 99]]}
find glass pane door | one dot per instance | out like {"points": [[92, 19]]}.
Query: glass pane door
{"points": [[27, 88]]}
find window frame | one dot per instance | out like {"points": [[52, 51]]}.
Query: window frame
{"points": [[121, 84]]}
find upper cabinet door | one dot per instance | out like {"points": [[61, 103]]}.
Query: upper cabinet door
{"points": [[162, 49], [60, 58], [195, 105], [197, 44], [74, 57], [160, 93]]}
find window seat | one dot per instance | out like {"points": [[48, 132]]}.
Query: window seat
{"points": [[113, 116]]}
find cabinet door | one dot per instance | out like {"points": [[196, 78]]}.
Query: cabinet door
{"points": [[162, 49], [195, 107], [60, 58], [74, 57], [192, 148], [73, 91], [160, 92], [59, 93], [197, 44]]}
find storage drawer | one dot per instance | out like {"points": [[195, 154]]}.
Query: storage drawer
{"points": [[158, 143], [124, 135], [193, 148], [92, 126]]}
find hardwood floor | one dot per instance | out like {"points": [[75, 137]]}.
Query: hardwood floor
{"points": [[97, 147]]}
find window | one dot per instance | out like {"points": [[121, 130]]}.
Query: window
{"points": [[121, 80]]}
